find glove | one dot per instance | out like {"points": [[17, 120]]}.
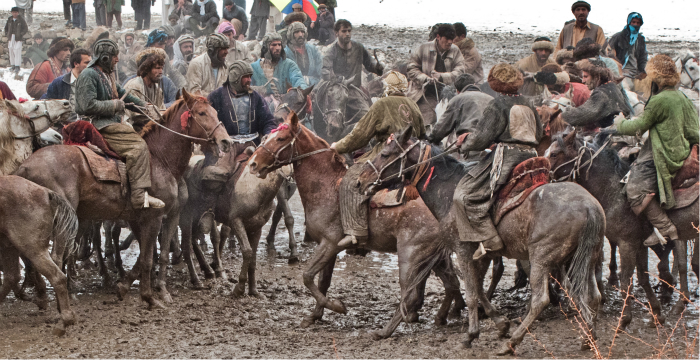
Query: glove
{"points": [[133, 108], [546, 78], [118, 106], [618, 120]]}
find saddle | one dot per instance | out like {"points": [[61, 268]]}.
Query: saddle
{"points": [[386, 198], [686, 185], [526, 177]]}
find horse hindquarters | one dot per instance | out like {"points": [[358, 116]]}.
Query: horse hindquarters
{"points": [[684, 219]]}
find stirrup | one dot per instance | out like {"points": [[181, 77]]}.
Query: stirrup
{"points": [[150, 201], [480, 252], [347, 241], [655, 238]]}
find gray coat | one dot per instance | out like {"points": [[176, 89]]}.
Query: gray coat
{"points": [[260, 8], [462, 115]]}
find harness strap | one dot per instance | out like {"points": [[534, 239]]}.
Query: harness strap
{"points": [[577, 162]]}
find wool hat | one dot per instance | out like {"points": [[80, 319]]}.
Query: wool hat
{"points": [[217, 41], [543, 43], [228, 2], [268, 39], [662, 70], [322, 6], [156, 36], [505, 78], [296, 6], [586, 48], [295, 17], [563, 56], [580, 4], [294, 27], [236, 71], [38, 36], [59, 44], [149, 57], [168, 30]]}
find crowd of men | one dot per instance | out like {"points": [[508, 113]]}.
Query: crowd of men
{"points": [[108, 80]]}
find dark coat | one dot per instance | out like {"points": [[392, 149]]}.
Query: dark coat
{"points": [[600, 109], [620, 43], [237, 13], [209, 12], [59, 88], [261, 120], [17, 27]]}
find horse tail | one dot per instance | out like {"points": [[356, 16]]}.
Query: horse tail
{"points": [[65, 227], [580, 269]]}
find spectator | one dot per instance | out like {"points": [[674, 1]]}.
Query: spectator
{"points": [[5, 92], [542, 50], [232, 11], [325, 23], [237, 51], [142, 13], [15, 29], [472, 58], [44, 73], [204, 19], [66, 12], [258, 19], [630, 49], [37, 52], [114, 9], [26, 9], [182, 11], [79, 20], [183, 49], [574, 31], [100, 12], [167, 7], [60, 88], [128, 48]]}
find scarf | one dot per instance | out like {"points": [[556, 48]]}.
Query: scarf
{"points": [[201, 4], [634, 33]]}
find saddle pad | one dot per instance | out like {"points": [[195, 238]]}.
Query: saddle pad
{"points": [[386, 198], [526, 177], [686, 196], [689, 170], [104, 169]]}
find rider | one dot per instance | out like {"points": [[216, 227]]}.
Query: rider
{"points": [[511, 122], [307, 56], [388, 115], [672, 121], [207, 71], [98, 97], [273, 73]]}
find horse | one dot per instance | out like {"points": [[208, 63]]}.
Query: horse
{"points": [[689, 69], [22, 123], [601, 176], [64, 170], [332, 119], [53, 225], [409, 230], [557, 225]]}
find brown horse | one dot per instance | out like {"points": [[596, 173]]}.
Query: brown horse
{"points": [[555, 225], [28, 230], [64, 170], [409, 230]]}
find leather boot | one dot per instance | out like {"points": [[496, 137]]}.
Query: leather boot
{"points": [[663, 226], [140, 200], [347, 241], [493, 244]]}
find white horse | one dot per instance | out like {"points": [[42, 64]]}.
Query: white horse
{"points": [[20, 123], [689, 69]]}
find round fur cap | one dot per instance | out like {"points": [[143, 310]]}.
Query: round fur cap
{"points": [[662, 70], [543, 43], [586, 48], [505, 78]]}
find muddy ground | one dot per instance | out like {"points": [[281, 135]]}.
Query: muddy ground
{"points": [[211, 323]]}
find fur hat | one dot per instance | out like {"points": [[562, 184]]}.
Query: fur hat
{"points": [[552, 68], [543, 43], [322, 6], [296, 6], [579, 4], [295, 17], [268, 39], [149, 57], [563, 55], [14, 9], [662, 70], [597, 69], [505, 78], [228, 2], [294, 27], [59, 44], [586, 48]]}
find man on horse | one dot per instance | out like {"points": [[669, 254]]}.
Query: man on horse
{"points": [[390, 114], [630, 48], [98, 98], [511, 128], [207, 72], [542, 50], [305, 55], [433, 65], [273, 73], [146, 85], [672, 122]]}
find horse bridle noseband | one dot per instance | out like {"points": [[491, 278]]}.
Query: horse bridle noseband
{"points": [[578, 165], [31, 119], [292, 158], [286, 105], [340, 112]]}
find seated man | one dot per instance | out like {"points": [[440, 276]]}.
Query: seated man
{"points": [[237, 51], [183, 49], [387, 116], [62, 87], [433, 65], [207, 72], [586, 49], [44, 73], [463, 112], [182, 11], [273, 73], [472, 58], [512, 123], [204, 18], [542, 48], [128, 49], [241, 109], [558, 81], [305, 55], [324, 24], [97, 100], [233, 11], [146, 84], [630, 49], [574, 31], [37, 52], [672, 122]]}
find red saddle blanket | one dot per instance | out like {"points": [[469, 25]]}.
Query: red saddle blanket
{"points": [[83, 132], [686, 188], [526, 177]]}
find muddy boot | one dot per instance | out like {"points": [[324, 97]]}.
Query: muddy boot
{"points": [[347, 241], [140, 200], [663, 226], [493, 244]]}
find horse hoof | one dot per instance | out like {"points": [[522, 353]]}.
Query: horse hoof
{"points": [[660, 320], [156, 304], [376, 335], [221, 274], [306, 323], [271, 253], [59, 330], [440, 321], [293, 260], [678, 308], [208, 276], [506, 349], [42, 304], [257, 295], [197, 285], [337, 306], [503, 326], [239, 291], [122, 290], [464, 345], [165, 296]]}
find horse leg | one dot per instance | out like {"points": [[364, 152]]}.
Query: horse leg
{"points": [[539, 283], [247, 252], [42, 297], [186, 229], [10, 266], [224, 235], [324, 282], [451, 283], [643, 279], [468, 269], [97, 246], [115, 234], [668, 281], [496, 274], [58, 280], [130, 276], [628, 261], [613, 279], [199, 254], [270, 239], [215, 237], [109, 250], [254, 238], [681, 254], [169, 229], [150, 227], [127, 242]]}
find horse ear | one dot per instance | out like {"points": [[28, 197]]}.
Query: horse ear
{"points": [[405, 135], [556, 113], [186, 96], [293, 120], [178, 95], [570, 139], [308, 90]]}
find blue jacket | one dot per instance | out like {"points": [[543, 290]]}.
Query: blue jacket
{"points": [[286, 72], [169, 89], [315, 62], [59, 88], [261, 120]]}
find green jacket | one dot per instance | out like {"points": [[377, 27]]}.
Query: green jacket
{"points": [[37, 52], [672, 121], [94, 100], [387, 116]]}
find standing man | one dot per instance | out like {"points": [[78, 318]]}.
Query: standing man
{"points": [[26, 9], [61, 87], [15, 29], [511, 122], [433, 65], [113, 9], [204, 17], [273, 73], [142, 13], [306, 56], [100, 12], [574, 31], [127, 51], [79, 17], [207, 72], [472, 58], [542, 48], [232, 11], [99, 98], [167, 7], [57, 65], [237, 51], [183, 49], [147, 83], [66, 12], [258, 19], [630, 49]]}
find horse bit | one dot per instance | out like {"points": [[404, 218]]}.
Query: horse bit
{"points": [[292, 158]]}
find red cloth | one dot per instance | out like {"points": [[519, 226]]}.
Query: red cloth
{"points": [[526, 177], [40, 79], [580, 94], [5, 92], [81, 132]]}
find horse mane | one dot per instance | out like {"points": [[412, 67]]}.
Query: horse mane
{"points": [[336, 157], [608, 154], [452, 164], [8, 109]]}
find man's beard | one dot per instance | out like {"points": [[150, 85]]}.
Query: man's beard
{"points": [[188, 57], [300, 41], [275, 57]]}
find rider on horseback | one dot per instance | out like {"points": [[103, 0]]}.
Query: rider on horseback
{"points": [[672, 121], [388, 115], [101, 100], [511, 123]]}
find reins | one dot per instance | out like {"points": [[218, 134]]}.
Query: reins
{"points": [[31, 119], [402, 157], [576, 171], [292, 158], [685, 69]]}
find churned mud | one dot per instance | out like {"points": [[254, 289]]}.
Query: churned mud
{"points": [[211, 323]]}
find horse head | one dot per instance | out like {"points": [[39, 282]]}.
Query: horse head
{"points": [[50, 137], [199, 120], [51, 111], [332, 103], [389, 166], [562, 154], [296, 100], [689, 69]]}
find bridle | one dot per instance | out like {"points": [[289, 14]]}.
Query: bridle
{"points": [[291, 145], [684, 68], [32, 125], [578, 162], [423, 159], [289, 109], [340, 113]]}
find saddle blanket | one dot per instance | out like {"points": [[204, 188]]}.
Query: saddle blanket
{"points": [[386, 198], [83, 132], [104, 168], [526, 177]]}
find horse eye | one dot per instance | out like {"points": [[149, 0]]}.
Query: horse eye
{"points": [[280, 139], [202, 113]]}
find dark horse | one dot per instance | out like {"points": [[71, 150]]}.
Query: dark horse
{"points": [[333, 119], [558, 224], [64, 170], [601, 177]]}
